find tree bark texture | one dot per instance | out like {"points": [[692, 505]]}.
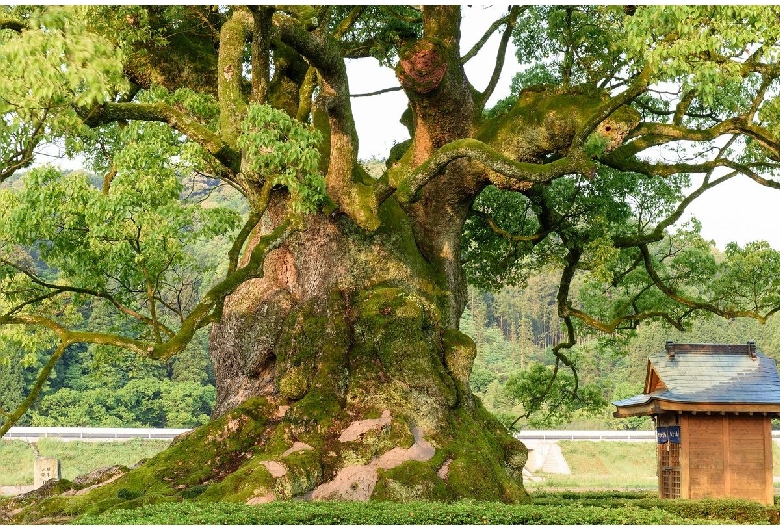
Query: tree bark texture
{"points": [[346, 333]]}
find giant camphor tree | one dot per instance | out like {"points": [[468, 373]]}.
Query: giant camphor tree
{"points": [[340, 369]]}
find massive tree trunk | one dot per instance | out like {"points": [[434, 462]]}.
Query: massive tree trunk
{"points": [[339, 377], [345, 339]]}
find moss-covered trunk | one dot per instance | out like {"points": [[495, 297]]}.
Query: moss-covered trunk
{"points": [[338, 378], [346, 338], [340, 372]]}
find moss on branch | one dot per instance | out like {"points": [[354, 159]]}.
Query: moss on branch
{"points": [[358, 198], [511, 174], [232, 101], [182, 122]]}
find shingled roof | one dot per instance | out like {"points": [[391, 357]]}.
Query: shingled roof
{"points": [[707, 377]]}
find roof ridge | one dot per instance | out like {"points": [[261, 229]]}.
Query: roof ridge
{"points": [[673, 348]]}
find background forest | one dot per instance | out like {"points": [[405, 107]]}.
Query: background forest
{"points": [[105, 386], [514, 328]]}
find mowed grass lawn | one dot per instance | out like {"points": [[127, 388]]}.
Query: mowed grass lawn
{"points": [[611, 465], [76, 458], [594, 465], [608, 465]]}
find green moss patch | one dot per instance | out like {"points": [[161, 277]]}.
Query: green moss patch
{"points": [[411, 481]]}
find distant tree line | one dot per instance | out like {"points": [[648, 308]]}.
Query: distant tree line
{"points": [[515, 328]]}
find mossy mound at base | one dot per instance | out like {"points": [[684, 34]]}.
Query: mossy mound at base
{"points": [[252, 456]]}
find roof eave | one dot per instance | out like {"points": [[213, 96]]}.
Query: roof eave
{"points": [[659, 406]]}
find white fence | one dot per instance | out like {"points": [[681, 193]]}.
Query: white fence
{"points": [[621, 436], [95, 434], [32, 434]]}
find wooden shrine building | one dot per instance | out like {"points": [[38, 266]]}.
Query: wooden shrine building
{"points": [[712, 405]]}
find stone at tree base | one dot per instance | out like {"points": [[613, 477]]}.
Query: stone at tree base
{"points": [[46, 469]]}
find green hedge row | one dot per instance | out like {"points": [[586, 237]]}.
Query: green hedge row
{"points": [[544, 510], [732, 510]]}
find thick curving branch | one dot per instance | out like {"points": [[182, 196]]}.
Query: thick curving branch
{"points": [[232, 101], [640, 84], [209, 309], [359, 200], [648, 134], [74, 337], [509, 174], [261, 46], [182, 122]]}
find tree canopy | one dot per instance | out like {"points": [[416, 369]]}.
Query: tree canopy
{"points": [[621, 117]]}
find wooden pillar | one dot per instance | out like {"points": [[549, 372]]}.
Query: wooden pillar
{"points": [[727, 460], [768, 464], [685, 457]]}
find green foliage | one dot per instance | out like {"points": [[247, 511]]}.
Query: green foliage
{"points": [[51, 71], [385, 29], [550, 400], [671, 40], [111, 242], [514, 328], [584, 213], [54, 60], [568, 44], [549, 512], [20, 361], [750, 277], [139, 403], [489, 259], [283, 150], [105, 381], [595, 145], [98, 146]]}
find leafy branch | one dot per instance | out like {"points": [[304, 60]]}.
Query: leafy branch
{"points": [[181, 121]]}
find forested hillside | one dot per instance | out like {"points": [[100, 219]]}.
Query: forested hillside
{"points": [[104, 386]]}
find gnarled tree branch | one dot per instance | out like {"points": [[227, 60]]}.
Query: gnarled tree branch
{"points": [[182, 122], [510, 174], [481, 99]]}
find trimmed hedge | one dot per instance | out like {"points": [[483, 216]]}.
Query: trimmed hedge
{"points": [[545, 509], [732, 510]]}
